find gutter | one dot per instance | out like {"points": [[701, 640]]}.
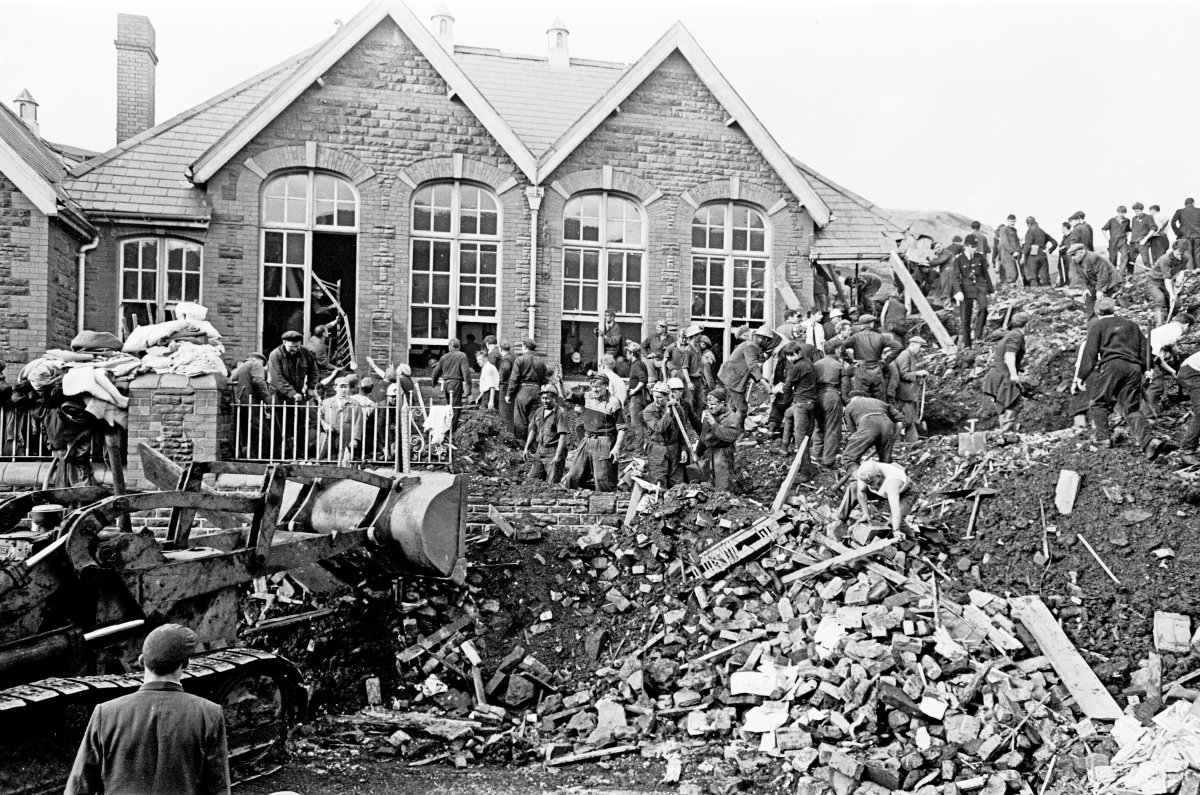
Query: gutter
{"points": [[534, 195]]}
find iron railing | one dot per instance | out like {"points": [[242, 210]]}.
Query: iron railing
{"points": [[353, 434], [22, 437]]}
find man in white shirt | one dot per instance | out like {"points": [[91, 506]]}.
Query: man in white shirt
{"points": [[1162, 348], [887, 481]]}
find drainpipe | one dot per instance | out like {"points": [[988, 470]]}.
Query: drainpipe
{"points": [[81, 266], [534, 195]]}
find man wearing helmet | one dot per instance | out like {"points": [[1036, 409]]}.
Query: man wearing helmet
{"points": [[745, 365], [546, 444]]}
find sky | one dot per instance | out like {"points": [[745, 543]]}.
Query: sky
{"points": [[981, 107]]}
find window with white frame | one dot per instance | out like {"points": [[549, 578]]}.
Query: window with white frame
{"points": [[156, 274], [308, 251], [455, 264], [604, 254], [730, 267]]}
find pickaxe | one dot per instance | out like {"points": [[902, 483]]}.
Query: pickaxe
{"points": [[978, 494]]}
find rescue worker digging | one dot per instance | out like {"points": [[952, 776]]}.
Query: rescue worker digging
{"points": [[874, 423], [720, 429], [667, 455], [1002, 382]]}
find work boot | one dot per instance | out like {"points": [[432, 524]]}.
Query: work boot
{"points": [[1153, 449], [1190, 459]]}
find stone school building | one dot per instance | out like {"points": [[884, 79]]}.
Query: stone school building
{"points": [[422, 190]]}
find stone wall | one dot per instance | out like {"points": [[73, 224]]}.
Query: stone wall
{"points": [[23, 258], [553, 507], [185, 418]]}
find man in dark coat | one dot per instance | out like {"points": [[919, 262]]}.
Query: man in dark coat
{"points": [[527, 376], [874, 426], [159, 739], [743, 367], [1185, 223], [970, 285], [1141, 229], [546, 444], [1116, 229], [1002, 382], [1006, 250], [1117, 349], [1035, 254], [721, 427], [454, 371], [666, 444], [292, 375], [1095, 273]]}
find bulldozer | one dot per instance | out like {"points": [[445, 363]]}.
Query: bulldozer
{"points": [[78, 594]]}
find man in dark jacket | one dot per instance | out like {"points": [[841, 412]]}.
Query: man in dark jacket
{"points": [[833, 389], [250, 387], [868, 345], [744, 366], [666, 444], [1035, 254], [527, 376], [1116, 229], [1118, 350], [159, 739], [720, 428], [454, 371], [1006, 250], [800, 391], [1185, 223], [1141, 228], [505, 366], [874, 426], [546, 443], [939, 264], [292, 376], [1095, 273], [970, 285]]}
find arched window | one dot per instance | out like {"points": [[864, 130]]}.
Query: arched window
{"points": [[156, 274], [309, 256], [604, 254], [455, 263], [731, 269]]}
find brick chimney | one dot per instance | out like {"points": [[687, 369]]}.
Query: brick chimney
{"points": [[136, 61]]}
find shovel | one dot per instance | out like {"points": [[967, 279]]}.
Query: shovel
{"points": [[972, 442], [978, 494], [922, 428]]}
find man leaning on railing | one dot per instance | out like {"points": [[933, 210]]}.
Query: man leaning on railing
{"points": [[292, 376]]}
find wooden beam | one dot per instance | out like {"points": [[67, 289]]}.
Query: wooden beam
{"points": [[1080, 679], [927, 314], [840, 560], [786, 486]]}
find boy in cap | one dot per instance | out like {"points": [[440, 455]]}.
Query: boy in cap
{"points": [[720, 428], [159, 739]]}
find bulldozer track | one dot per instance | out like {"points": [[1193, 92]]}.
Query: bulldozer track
{"points": [[236, 678]]}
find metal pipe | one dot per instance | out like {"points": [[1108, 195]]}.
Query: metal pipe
{"points": [[81, 269], [534, 195], [114, 629]]}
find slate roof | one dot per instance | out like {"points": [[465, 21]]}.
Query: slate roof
{"points": [[30, 148], [146, 175], [539, 101], [858, 230]]}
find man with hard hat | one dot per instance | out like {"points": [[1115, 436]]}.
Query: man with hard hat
{"points": [[691, 417], [1096, 273], [667, 446], [721, 427], [546, 444], [868, 345], [684, 363], [160, 738], [908, 391], [745, 365], [604, 431]]}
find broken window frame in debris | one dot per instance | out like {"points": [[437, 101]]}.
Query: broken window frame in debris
{"points": [[461, 246], [723, 263]]}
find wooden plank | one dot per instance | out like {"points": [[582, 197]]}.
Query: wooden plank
{"points": [[927, 314], [1093, 700], [786, 487], [603, 753], [1065, 491], [500, 521], [1172, 632], [840, 560], [424, 644]]}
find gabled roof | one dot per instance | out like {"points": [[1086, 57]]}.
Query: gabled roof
{"points": [[539, 101], [147, 174], [857, 228], [30, 164], [329, 53], [678, 39]]}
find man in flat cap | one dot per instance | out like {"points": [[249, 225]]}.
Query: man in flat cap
{"points": [[159, 739], [909, 391], [720, 428], [1096, 274], [970, 285], [1035, 254], [292, 375]]}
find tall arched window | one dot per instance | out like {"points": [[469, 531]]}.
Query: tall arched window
{"points": [[604, 254], [156, 274], [731, 269], [455, 272], [309, 255]]}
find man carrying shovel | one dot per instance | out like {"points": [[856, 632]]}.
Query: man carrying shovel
{"points": [[667, 456], [907, 394]]}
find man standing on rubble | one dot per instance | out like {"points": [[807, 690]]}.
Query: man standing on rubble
{"points": [[604, 431], [1117, 349], [1035, 254], [1002, 382], [744, 366], [1096, 274], [1185, 223], [667, 446], [1116, 229], [1141, 229], [833, 387], [1159, 242], [720, 428], [684, 363], [800, 394], [970, 285], [908, 391], [1006, 250], [1161, 284], [868, 345], [874, 426], [526, 379], [548, 431]]}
